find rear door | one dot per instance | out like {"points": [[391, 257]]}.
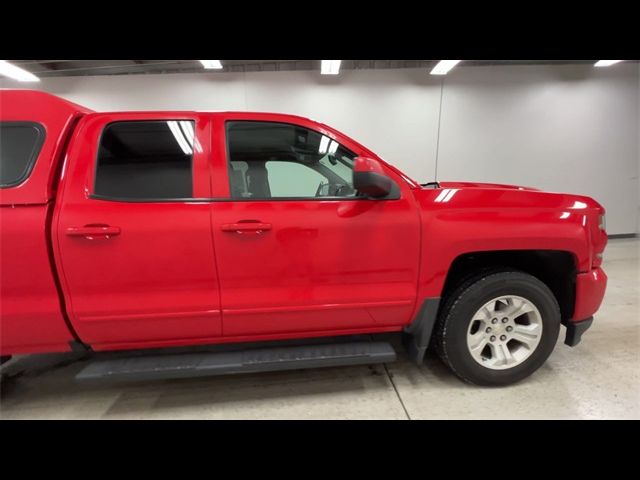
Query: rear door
{"points": [[132, 237]]}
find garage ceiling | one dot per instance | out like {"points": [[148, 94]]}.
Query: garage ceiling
{"points": [[65, 68]]}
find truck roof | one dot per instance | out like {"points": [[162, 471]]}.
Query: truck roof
{"points": [[18, 103], [56, 115], [273, 116], [21, 98]]}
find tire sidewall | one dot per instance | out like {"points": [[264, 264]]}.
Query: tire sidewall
{"points": [[477, 295]]}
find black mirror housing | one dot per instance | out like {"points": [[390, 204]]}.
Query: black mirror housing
{"points": [[372, 184], [370, 179]]}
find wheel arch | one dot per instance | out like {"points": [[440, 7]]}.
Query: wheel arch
{"points": [[555, 268]]}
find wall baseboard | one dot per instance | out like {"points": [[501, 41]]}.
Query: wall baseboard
{"points": [[623, 235]]}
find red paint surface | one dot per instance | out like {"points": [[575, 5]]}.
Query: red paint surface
{"points": [[174, 273], [31, 319], [154, 281], [590, 288]]}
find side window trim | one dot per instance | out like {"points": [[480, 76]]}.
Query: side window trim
{"points": [[34, 154], [93, 196]]}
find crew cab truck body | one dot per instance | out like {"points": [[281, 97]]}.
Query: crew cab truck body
{"points": [[147, 230]]}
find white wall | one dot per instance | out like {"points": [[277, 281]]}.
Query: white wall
{"points": [[571, 129], [560, 128]]}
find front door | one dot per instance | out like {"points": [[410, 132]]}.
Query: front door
{"points": [[132, 237], [298, 249]]}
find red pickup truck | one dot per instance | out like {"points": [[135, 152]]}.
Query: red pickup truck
{"points": [[265, 241]]}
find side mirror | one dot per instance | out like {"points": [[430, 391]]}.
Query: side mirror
{"points": [[369, 178]]}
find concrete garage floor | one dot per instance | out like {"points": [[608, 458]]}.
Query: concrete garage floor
{"points": [[598, 379]]}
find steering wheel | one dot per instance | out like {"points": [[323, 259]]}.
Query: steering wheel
{"points": [[344, 190], [320, 188], [334, 190]]}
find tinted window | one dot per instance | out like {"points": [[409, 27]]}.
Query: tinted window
{"points": [[146, 160], [20, 143], [291, 179], [279, 160]]}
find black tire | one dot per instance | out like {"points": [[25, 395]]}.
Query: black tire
{"points": [[450, 336]]}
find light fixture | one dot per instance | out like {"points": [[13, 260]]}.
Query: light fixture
{"points": [[330, 67], [324, 144], [606, 63], [180, 138], [211, 64], [17, 73], [444, 66], [187, 131]]}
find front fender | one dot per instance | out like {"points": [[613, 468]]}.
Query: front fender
{"points": [[467, 220]]}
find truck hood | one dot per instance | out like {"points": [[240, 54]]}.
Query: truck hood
{"points": [[485, 185], [496, 195]]}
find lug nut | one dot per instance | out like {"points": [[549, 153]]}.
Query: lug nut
{"points": [[509, 328], [503, 337], [494, 320], [493, 338], [505, 320], [488, 329]]}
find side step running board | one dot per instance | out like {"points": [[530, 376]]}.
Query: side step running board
{"points": [[258, 360]]}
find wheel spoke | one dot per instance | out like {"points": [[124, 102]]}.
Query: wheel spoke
{"points": [[479, 344], [503, 301], [526, 334], [502, 354], [520, 307], [477, 348], [483, 315]]}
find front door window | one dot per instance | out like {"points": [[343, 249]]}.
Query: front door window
{"points": [[279, 160]]}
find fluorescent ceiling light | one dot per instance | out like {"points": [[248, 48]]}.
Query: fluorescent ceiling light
{"points": [[324, 144], [211, 64], [444, 66], [606, 63], [16, 73], [177, 133], [330, 67], [187, 130]]}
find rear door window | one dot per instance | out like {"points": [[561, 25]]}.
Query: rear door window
{"points": [[146, 160], [20, 144]]}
